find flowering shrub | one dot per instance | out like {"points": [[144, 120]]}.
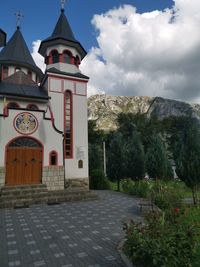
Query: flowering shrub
{"points": [[160, 242]]}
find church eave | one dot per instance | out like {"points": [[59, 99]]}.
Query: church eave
{"points": [[16, 63], [23, 91], [57, 40], [18, 96], [77, 75]]}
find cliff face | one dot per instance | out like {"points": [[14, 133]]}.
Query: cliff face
{"points": [[105, 109]]}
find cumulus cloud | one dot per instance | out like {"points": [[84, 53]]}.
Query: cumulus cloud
{"points": [[154, 54], [39, 60]]}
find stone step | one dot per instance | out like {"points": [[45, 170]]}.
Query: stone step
{"points": [[24, 195], [23, 187]]}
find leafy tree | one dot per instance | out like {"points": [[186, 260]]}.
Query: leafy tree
{"points": [[135, 158]]}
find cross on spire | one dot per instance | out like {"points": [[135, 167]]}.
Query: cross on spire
{"points": [[19, 17], [62, 4]]}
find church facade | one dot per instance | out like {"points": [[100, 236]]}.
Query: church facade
{"points": [[43, 116]]}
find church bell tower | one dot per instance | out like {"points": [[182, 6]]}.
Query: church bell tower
{"points": [[67, 89]]}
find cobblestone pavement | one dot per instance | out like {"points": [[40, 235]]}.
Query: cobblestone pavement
{"points": [[79, 234]]}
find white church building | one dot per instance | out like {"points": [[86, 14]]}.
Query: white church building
{"points": [[43, 116]]}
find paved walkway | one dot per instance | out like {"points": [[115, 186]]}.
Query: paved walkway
{"points": [[79, 234]]}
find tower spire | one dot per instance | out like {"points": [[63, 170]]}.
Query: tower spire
{"points": [[19, 17], [62, 5]]}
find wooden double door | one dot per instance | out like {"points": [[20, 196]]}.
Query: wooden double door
{"points": [[23, 163]]}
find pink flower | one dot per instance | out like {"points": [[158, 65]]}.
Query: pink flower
{"points": [[176, 210]]}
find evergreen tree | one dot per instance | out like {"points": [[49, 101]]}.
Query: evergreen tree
{"points": [[95, 151], [156, 158], [95, 157], [134, 158], [116, 158], [188, 160]]}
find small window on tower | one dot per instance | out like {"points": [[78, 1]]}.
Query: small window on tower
{"points": [[32, 107], [13, 105], [67, 57], [55, 56], [53, 158], [30, 74], [5, 72], [77, 61], [80, 164]]}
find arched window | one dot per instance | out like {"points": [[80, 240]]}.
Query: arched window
{"points": [[13, 105], [25, 142], [67, 57], [32, 107], [5, 72], [77, 61], [68, 124], [54, 56], [17, 69], [80, 164], [53, 158], [30, 74]]}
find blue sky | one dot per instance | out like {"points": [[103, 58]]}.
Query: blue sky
{"points": [[40, 16], [135, 47]]}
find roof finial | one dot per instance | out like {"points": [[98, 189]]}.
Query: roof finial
{"points": [[62, 5], [19, 16]]}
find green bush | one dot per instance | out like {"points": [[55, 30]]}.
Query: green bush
{"points": [[160, 243], [142, 188], [166, 196], [98, 180], [136, 188], [128, 186]]}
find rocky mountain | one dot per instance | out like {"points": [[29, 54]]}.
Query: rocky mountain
{"points": [[104, 109]]}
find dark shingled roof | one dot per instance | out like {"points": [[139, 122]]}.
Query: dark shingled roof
{"points": [[19, 84], [17, 53], [62, 34], [78, 74], [63, 29], [20, 77], [2, 38]]}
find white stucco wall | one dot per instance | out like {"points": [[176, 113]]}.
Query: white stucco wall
{"points": [[80, 140], [46, 134], [57, 88], [50, 139]]}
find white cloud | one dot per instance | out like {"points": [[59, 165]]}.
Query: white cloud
{"points": [[39, 60], [155, 53]]}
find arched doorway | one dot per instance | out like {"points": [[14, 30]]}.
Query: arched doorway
{"points": [[23, 162]]}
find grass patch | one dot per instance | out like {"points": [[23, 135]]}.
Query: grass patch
{"points": [[192, 217]]}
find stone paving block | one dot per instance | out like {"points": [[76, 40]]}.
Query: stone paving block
{"points": [[81, 234]]}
